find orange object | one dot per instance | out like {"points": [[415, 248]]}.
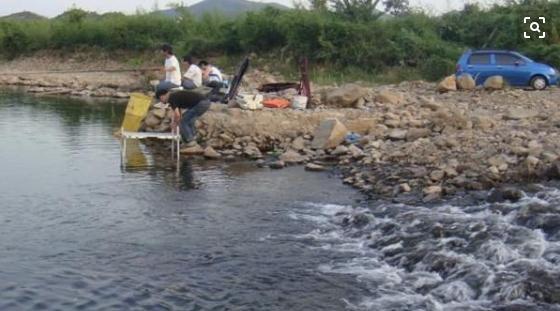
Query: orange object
{"points": [[276, 103]]}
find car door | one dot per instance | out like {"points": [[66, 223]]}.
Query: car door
{"points": [[514, 69], [479, 66]]}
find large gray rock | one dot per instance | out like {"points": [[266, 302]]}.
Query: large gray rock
{"points": [[312, 167], [345, 96], [329, 134], [292, 157], [210, 153]]}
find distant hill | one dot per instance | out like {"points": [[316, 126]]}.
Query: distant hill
{"points": [[25, 15], [86, 14], [226, 7]]}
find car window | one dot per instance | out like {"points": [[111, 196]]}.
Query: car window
{"points": [[479, 59], [507, 59]]}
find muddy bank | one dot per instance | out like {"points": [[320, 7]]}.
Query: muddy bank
{"points": [[79, 74]]}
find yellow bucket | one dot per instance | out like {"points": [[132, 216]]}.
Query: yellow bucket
{"points": [[136, 111]]}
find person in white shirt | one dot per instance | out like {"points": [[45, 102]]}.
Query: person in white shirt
{"points": [[172, 69], [211, 75], [193, 77]]}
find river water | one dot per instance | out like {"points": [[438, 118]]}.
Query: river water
{"points": [[77, 232]]}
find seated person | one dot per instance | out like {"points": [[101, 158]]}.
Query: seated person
{"points": [[211, 75], [196, 104], [193, 77], [171, 68]]}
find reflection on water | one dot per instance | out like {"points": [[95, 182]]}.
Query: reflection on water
{"points": [[79, 232]]}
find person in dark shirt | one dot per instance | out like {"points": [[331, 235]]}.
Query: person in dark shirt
{"points": [[195, 103]]}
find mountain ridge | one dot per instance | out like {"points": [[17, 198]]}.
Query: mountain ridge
{"points": [[229, 8]]}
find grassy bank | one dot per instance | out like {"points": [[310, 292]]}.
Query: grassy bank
{"points": [[389, 49]]}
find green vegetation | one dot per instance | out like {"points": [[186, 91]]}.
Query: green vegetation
{"points": [[341, 44]]}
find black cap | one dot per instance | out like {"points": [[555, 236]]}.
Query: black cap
{"points": [[161, 92]]}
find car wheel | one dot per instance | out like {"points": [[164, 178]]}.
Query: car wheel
{"points": [[538, 83]]}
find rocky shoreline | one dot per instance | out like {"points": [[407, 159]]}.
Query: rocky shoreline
{"points": [[412, 139], [54, 85], [406, 139]]}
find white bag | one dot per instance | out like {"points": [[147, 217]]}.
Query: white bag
{"points": [[249, 101]]}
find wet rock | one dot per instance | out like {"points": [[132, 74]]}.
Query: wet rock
{"points": [[432, 193], [252, 152], [277, 165], [312, 167], [194, 150], [505, 194], [554, 170], [329, 134], [447, 84], [494, 83], [466, 82], [210, 153], [292, 157], [360, 220], [345, 96], [404, 188]]}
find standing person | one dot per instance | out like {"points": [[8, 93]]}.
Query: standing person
{"points": [[172, 69], [196, 104], [193, 77], [211, 75]]}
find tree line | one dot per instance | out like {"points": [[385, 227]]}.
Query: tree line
{"points": [[372, 35]]}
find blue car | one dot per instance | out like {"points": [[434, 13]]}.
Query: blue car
{"points": [[516, 69]]}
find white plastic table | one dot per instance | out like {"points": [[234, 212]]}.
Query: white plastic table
{"points": [[174, 137]]}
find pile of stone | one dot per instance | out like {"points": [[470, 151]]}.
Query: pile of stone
{"points": [[467, 82], [413, 140], [158, 120]]}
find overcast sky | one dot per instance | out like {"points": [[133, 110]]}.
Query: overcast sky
{"points": [[52, 8]]}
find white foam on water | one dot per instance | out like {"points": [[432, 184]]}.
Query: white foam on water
{"points": [[445, 257]]}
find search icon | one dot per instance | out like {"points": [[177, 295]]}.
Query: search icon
{"points": [[534, 26]]}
